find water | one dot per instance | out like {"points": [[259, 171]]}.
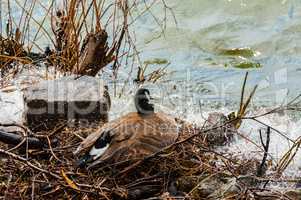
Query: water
{"points": [[205, 27], [204, 77], [207, 80]]}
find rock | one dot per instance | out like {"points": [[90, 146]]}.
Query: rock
{"points": [[267, 195], [83, 99], [270, 195], [137, 192], [187, 183], [249, 167], [221, 135], [200, 187], [294, 194], [226, 190], [298, 185]]}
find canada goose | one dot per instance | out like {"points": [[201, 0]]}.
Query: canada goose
{"points": [[132, 136]]}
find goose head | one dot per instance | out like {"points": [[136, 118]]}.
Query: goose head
{"points": [[142, 102], [98, 149]]}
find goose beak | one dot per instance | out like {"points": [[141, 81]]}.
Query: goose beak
{"points": [[83, 161], [87, 162], [151, 98]]}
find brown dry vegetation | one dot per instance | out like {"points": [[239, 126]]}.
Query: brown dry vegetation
{"points": [[77, 32], [190, 168]]}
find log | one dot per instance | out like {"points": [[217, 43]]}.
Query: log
{"points": [[69, 99], [15, 139]]}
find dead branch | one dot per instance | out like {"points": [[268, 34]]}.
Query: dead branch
{"points": [[262, 168], [21, 159]]}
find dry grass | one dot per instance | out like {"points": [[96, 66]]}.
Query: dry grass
{"points": [[83, 36], [190, 164], [190, 168], [57, 177]]}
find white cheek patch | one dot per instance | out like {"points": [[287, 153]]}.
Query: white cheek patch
{"points": [[147, 96], [96, 153]]}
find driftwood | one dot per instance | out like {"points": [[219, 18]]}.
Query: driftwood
{"points": [[87, 58], [94, 54]]}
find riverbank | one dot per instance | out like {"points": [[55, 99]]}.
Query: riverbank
{"points": [[190, 168], [193, 68]]}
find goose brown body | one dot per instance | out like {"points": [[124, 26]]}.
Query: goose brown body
{"points": [[134, 136]]}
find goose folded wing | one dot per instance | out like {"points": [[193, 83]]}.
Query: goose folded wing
{"points": [[111, 126]]}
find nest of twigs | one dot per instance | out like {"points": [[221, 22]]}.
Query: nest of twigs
{"points": [[189, 168]]}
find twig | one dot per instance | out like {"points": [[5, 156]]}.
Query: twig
{"points": [[17, 125], [260, 170], [288, 156], [243, 93], [21, 159], [277, 131]]}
